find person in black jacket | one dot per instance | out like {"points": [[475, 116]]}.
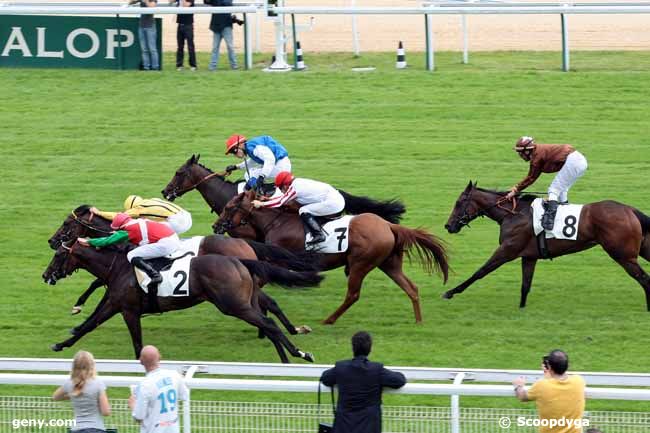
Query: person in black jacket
{"points": [[360, 384], [221, 26], [185, 31]]}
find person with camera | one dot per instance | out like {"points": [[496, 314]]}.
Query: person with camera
{"points": [[560, 397], [221, 26], [360, 383]]}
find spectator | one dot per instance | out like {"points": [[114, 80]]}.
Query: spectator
{"points": [[558, 395], [360, 383], [155, 402], [185, 31], [147, 36], [88, 395], [221, 26]]}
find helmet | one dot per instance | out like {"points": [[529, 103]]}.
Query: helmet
{"points": [[525, 143], [234, 140], [283, 178], [119, 220], [132, 201]]}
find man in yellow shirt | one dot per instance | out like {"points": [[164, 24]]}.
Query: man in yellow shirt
{"points": [[155, 209], [560, 397]]}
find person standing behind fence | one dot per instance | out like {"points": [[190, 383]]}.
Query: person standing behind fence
{"points": [[155, 404], [558, 395], [148, 36], [360, 384], [87, 393], [185, 32], [221, 26]]}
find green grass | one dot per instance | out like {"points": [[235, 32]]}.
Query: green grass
{"points": [[83, 136]]}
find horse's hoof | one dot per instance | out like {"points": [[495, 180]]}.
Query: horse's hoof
{"points": [[328, 322], [304, 329], [447, 295], [75, 310], [309, 357], [56, 347]]}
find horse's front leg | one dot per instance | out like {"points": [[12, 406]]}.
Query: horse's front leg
{"points": [[100, 316], [99, 306], [84, 297], [504, 254]]}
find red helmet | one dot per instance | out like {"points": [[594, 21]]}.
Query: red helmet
{"points": [[119, 220], [284, 178], [525, 143], [234, 140]]}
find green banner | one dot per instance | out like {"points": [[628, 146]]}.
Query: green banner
{"points": [[37, 41]]}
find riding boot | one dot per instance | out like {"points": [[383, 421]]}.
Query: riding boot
{"points": [[314, 228], [549, 214], [148, 269]]}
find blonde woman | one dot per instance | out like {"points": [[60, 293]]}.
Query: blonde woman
{"points": [[88, 395]]}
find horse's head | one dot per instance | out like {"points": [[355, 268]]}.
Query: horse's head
{"points": [[464, 211], [81, 222], [183, 180], [236, 213], [62, 264]]}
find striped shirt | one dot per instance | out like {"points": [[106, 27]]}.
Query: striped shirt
{"points": [[155, 209], [304, 191]]}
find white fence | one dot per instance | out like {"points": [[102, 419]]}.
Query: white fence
{"points": [[221, 416]]}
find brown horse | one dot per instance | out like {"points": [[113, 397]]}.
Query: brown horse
{"points": [[372, 243], [228, 283], [618, 228], [217, 191], [82, 223]]}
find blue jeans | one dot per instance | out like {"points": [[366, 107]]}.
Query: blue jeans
{"points": [[150, 58], [225, 34]]}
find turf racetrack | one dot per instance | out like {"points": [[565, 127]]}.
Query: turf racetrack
{"points": [[80, 136]]}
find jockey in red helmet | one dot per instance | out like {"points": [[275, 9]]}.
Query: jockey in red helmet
{"points": [[264, 158], [316, 198], [550, 158]]}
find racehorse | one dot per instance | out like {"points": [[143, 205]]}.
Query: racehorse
{"points": [[227, 282], [620, 229], [373, 243], [217, 191], [82, 223]]}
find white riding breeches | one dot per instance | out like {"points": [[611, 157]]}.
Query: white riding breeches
{"points": [[180, 222], [333, 204], [574, 167], [255, 170], [163, 247]]}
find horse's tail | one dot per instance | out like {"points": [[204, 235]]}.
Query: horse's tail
{"points": [[390, 210], [430, 249], [283, 277], [644, 220], [302, 261]]}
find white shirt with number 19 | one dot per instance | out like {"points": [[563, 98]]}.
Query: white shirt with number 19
{"points": [[157, 401]]}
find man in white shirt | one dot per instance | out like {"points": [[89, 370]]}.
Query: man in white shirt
{"points": [[156, 402], [316, 198]]}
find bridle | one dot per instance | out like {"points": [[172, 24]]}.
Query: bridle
{"points": [[228, 224], [176, 192], [78, 220], [70, 249], [466, 217]]}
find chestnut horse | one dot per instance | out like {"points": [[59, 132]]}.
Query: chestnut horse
{"points": [[82, 223], [228, 283], [372, 243], [618, 228], [217, 191]]}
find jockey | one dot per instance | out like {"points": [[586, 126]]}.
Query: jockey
{"points": [[154, 239], [550, 158], [155, 209], [316, 198], [265, 158]]}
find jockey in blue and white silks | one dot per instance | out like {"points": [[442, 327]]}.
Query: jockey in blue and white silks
{"points": [[264, 158]]}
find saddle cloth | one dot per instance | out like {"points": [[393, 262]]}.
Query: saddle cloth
{"points": [[567, 220], [174, 269], [336, 237]]}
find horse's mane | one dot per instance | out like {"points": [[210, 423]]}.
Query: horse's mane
{"points": [[82, 209], [522, 198]]}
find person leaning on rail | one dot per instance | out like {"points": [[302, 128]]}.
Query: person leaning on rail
{"points": [[87, 393], [558, 395], [155, 209]]}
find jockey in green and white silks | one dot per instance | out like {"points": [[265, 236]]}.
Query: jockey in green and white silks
{"points": [[264, 158]]}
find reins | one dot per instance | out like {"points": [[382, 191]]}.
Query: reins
{"points": [[203, 179], [88, 225]]}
